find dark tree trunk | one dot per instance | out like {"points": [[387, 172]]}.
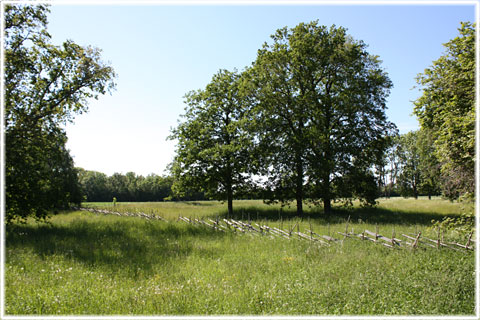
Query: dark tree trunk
{"points": [[230, 200], [327, 207], [299, 185]]}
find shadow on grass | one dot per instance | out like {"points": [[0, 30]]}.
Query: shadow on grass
{"points": [[119, 246], [202, 204], [338, 215]]}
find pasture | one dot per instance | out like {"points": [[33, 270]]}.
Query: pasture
{"points": [[81, 263]]}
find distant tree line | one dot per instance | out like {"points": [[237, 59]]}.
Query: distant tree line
{"points": [[130, 187], [410, 168]]}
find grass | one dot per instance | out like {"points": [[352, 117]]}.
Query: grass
{"points": [[81, 263]]}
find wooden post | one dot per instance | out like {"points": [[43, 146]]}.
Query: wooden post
{"points": [[346, 225], [376, 231], [393, 236], [311, 229], [415, 244], [438, 237], [469, 240]]}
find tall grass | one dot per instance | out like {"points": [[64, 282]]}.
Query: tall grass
{"points": [[82, 263], [398, 210]]}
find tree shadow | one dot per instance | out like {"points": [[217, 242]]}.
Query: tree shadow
{"points": [[338, 215], [119, 246], [201, 204]]}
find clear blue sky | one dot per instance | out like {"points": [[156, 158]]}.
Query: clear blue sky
{"points": [[160, 52]]}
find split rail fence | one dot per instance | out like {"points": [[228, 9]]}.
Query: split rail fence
{"points": [[411, 240]]}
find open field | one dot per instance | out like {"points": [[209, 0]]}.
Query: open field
{"points": [[84, 263]]}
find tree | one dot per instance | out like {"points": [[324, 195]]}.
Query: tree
{"points": [[409, 179], [447, 109], [429, 165], [419, 170], [98, 187], [322, 97], [394, 159], [94, 186], [212, 149], [118, 184], [45, 86]]}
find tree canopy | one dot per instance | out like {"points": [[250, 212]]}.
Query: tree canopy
{"points": [[212, 149], [323, 98], [308, 116], [98, 187], [45, 86], [447, 109]]}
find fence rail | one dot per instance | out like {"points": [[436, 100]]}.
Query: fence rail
{"points": [[412, 240]]}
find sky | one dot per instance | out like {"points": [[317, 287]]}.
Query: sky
{"points": [[160, 52]]}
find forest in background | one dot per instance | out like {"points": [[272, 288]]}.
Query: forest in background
{"points": [[410, 170]]}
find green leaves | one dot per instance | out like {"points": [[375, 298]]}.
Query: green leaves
{"points": [[323, 97], [447, 108], [213, 140], [45, 86]]}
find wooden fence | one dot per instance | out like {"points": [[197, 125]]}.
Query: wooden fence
{"points": [[412, 240]]}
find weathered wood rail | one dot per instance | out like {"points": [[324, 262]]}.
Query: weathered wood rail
{"points": [[416, 240], [412, 240]]}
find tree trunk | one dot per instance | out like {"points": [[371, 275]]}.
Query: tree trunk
{"points": [[299, 199], [299, 185], [230, 200], [327, 207]]}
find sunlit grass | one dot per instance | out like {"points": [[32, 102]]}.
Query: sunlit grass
{"points": [[85, 263]]}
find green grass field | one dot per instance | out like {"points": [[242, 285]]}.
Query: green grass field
{"points": [[82, 263]]}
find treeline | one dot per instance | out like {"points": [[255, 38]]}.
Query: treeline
{"points": [[410, 168], [130, 187]]}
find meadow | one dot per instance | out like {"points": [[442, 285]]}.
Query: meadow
{"points": [[81, 263]]}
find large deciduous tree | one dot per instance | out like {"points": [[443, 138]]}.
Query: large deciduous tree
{"points": [[447, 109], [45, 86], [212, 149], [322, 97]]}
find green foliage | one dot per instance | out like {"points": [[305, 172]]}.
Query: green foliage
{"points": [[321, 98], [409, 178], [212, 152], [98, 187], [45, 86], [464, 224], [447, 109]]}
